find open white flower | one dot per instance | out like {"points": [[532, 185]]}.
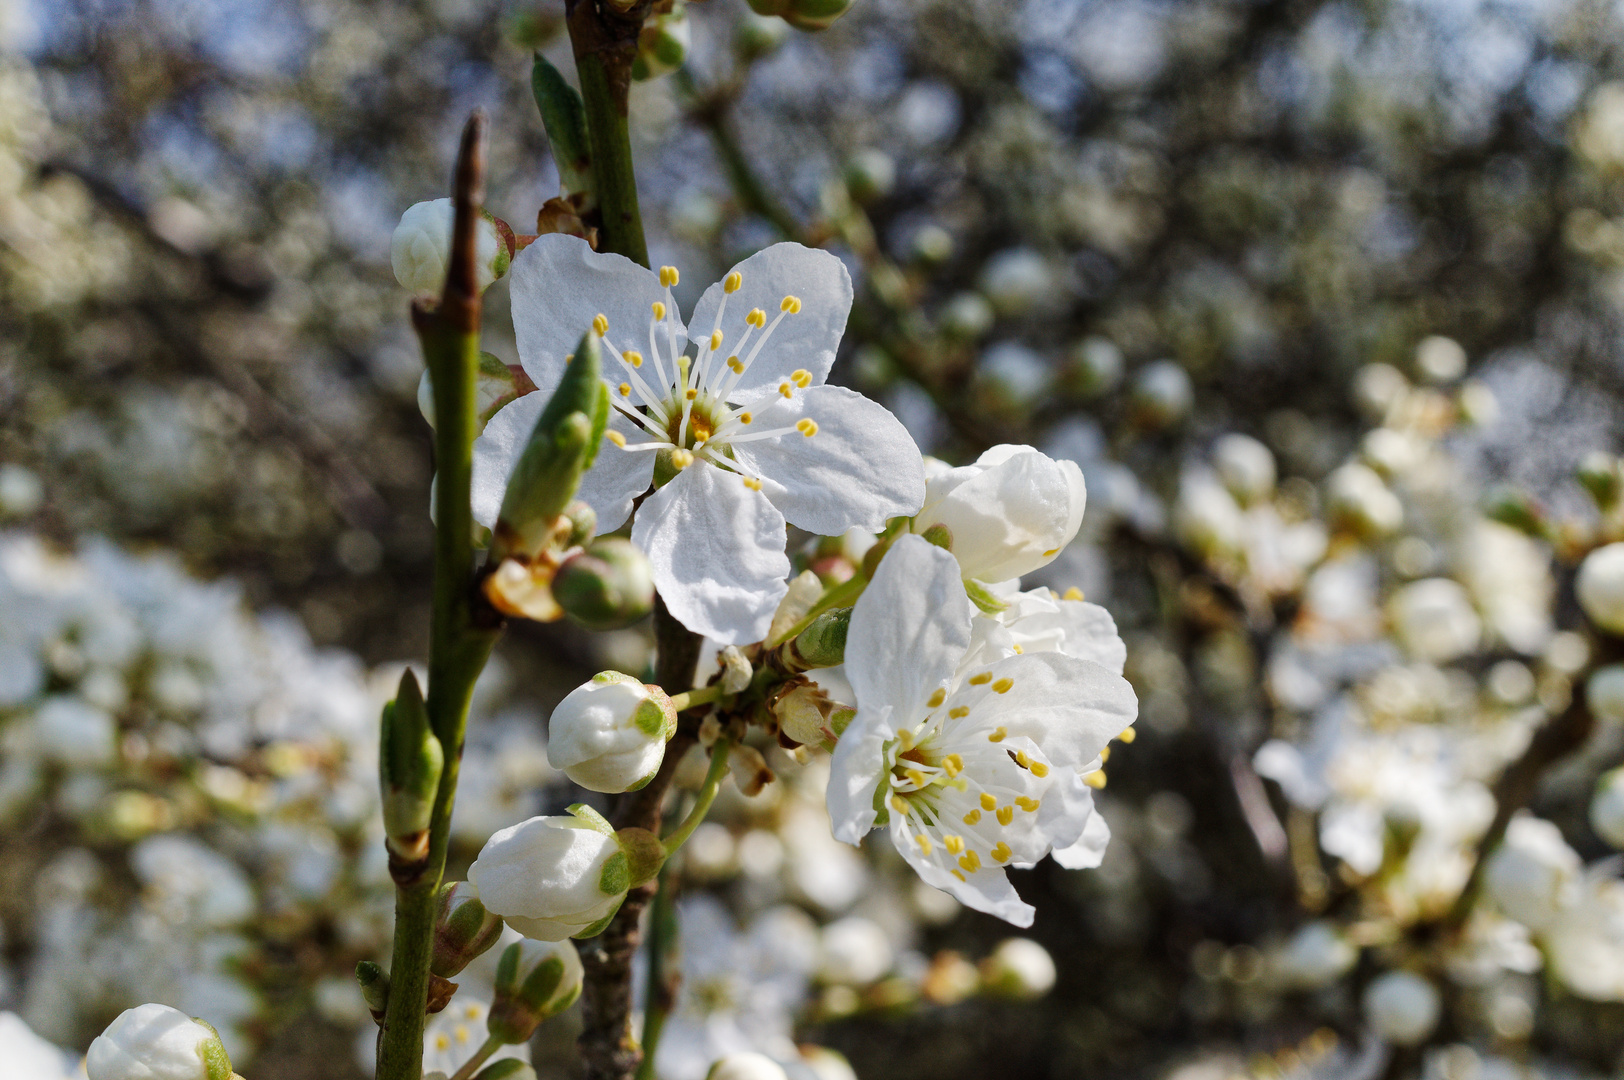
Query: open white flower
{"points": [[974, 767], [741, 436], [1006, 515]]}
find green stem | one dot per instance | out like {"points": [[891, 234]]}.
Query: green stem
{"points": [[458, 648], [604, 49], [703, 695], [843, 595], [662, 927], [707, 795], [486, 1049]]}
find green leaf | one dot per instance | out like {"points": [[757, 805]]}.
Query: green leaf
{"points": [[564, 116]]}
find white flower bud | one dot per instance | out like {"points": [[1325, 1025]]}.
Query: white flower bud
{"points": [[1440, 359], [1018, 968], [1534, 874], [1317, 955], [1604, 693], [155, 1042], [610, 734], [1359, 497], [967, 315], [1017, 280], [1600, 587], [1402, 1007], [535, 981], [747, 1066], [1607, 807], [1162, 394], [553, 877], [1434, 619], [420, 249], [1206, 518], [871, 174], [1008, 514], [1095, 366], [1246, 467], [1013, 374]]}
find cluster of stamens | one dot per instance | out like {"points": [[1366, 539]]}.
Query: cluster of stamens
{"points": [[687, 408]]}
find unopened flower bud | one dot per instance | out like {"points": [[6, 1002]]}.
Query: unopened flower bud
{"points": [[823, 643], [1093, 367], [607, 586], [1607, 807], [809, 15], [1599, 474], [662, 47], [535, 981], [565, 876], [1600, 587], [1402, 1007], [609, 734], [1533, 876], [754, 36], [583, 524], [155, 1042], [1017, 281], [803, 711], [1245, 466], [1360, 498], [967, 315], [1018, 968], [374, 983], [746, 1066], [420, 250], [1162, 395], [410, 761], [463, 929]]}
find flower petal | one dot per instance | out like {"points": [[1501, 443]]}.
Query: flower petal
{"points": [[1009, 514], [908, 630], [855, 771], [1089, 850], [559, 284], [988, 889], [616, 478], [860, 468], [1071, 708], [717, 552], [807, 339]]}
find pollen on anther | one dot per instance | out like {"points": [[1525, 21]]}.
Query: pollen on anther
{"points": [[801, 377], [1073, 593], [972, 817], [807, 426], [635, 359], [1051, 553], [1095, 779], [791, 304], [659, 310], [752, 483], [1003, 685], [784, 388], [1128, 735], [757, 318], [625, 389], [669, 276], [899, 804], [1039, 769], [690, 393], [1027, 803], [997, 735], [954, 844], [916, 776], [970, 861], [1105, 754], [1022, 760], [988, 802], [716, 340], [1006, 814], [924, 843], [616, 437], [731, 283], [982, 679], [937, 698], [735, 365], [1001, 852], [959, 711], [960, 876], [952, 764], [600, 323], [746, 418], [682, 458]]}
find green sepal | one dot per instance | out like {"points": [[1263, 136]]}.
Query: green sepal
{"points": [[601, 925], [216, 1065], [940, 535], [616, 875], [563, 114], [823, 643], [982, 598], [644, 852], [882, 812], [495, 386], [590, 818], [409, 762]]}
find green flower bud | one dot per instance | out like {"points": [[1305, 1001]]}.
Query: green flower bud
{"points": [[463, 929], [607, 586], [756, 36], [870, 175], [409, 764], [583, 524], [535, 981], [823, 643]]}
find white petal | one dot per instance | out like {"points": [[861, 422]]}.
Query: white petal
{"points": [[717, 552], [1068, 806], [616, 478], [1071, 708], [1010, 513], [988, 889], [861, 467], [559, 284], [1089, 850], [855, 771], [1091, 634], [908, 630], [807, 339]]}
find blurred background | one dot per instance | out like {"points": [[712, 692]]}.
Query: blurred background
{"points": [[1324, 297]]}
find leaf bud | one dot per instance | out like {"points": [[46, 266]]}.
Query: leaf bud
{"points": [[463, 929], [374, 983], [535, 981], [409, 765], [607, 586], [563, 114]]}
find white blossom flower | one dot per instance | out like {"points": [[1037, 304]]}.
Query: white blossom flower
{"points": [[1317, 955], [971, 763], [740, 437], [156, 1042], [1006, 515], [609, 734], [1434, 619], [420, 249], [1534, 875], [553, 877], [1402, 1007]]}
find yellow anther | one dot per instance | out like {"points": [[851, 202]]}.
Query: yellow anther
{"points": [[1001, 852], [600, 323], [958, 711], [716, 340], [970, 861], [954, 844], [442, 1041], [625, 389], [1073, 593], [681, 459], [1095, 779], [807, 426], [1022, 760], [952, 764], [1027, 803], [1128, 735], [791, 304], [1039, 769], [801, 377], [1018, 649], [924, 843], [784, 388], [1003, 685], [988, 802], [937, 698], [972, 817], [690, 393], [905, 739], [899, 804], [916, 776], [982, 679], [757, 318], [735, 365], [1051, 553], [998, 735], [1005, 815], [1105, 754], [634, 358], [960, 876], [746, 418], [462, 1033], [616, 437], [731, 283], [752, 483], [669, 276], [659, 311]]}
